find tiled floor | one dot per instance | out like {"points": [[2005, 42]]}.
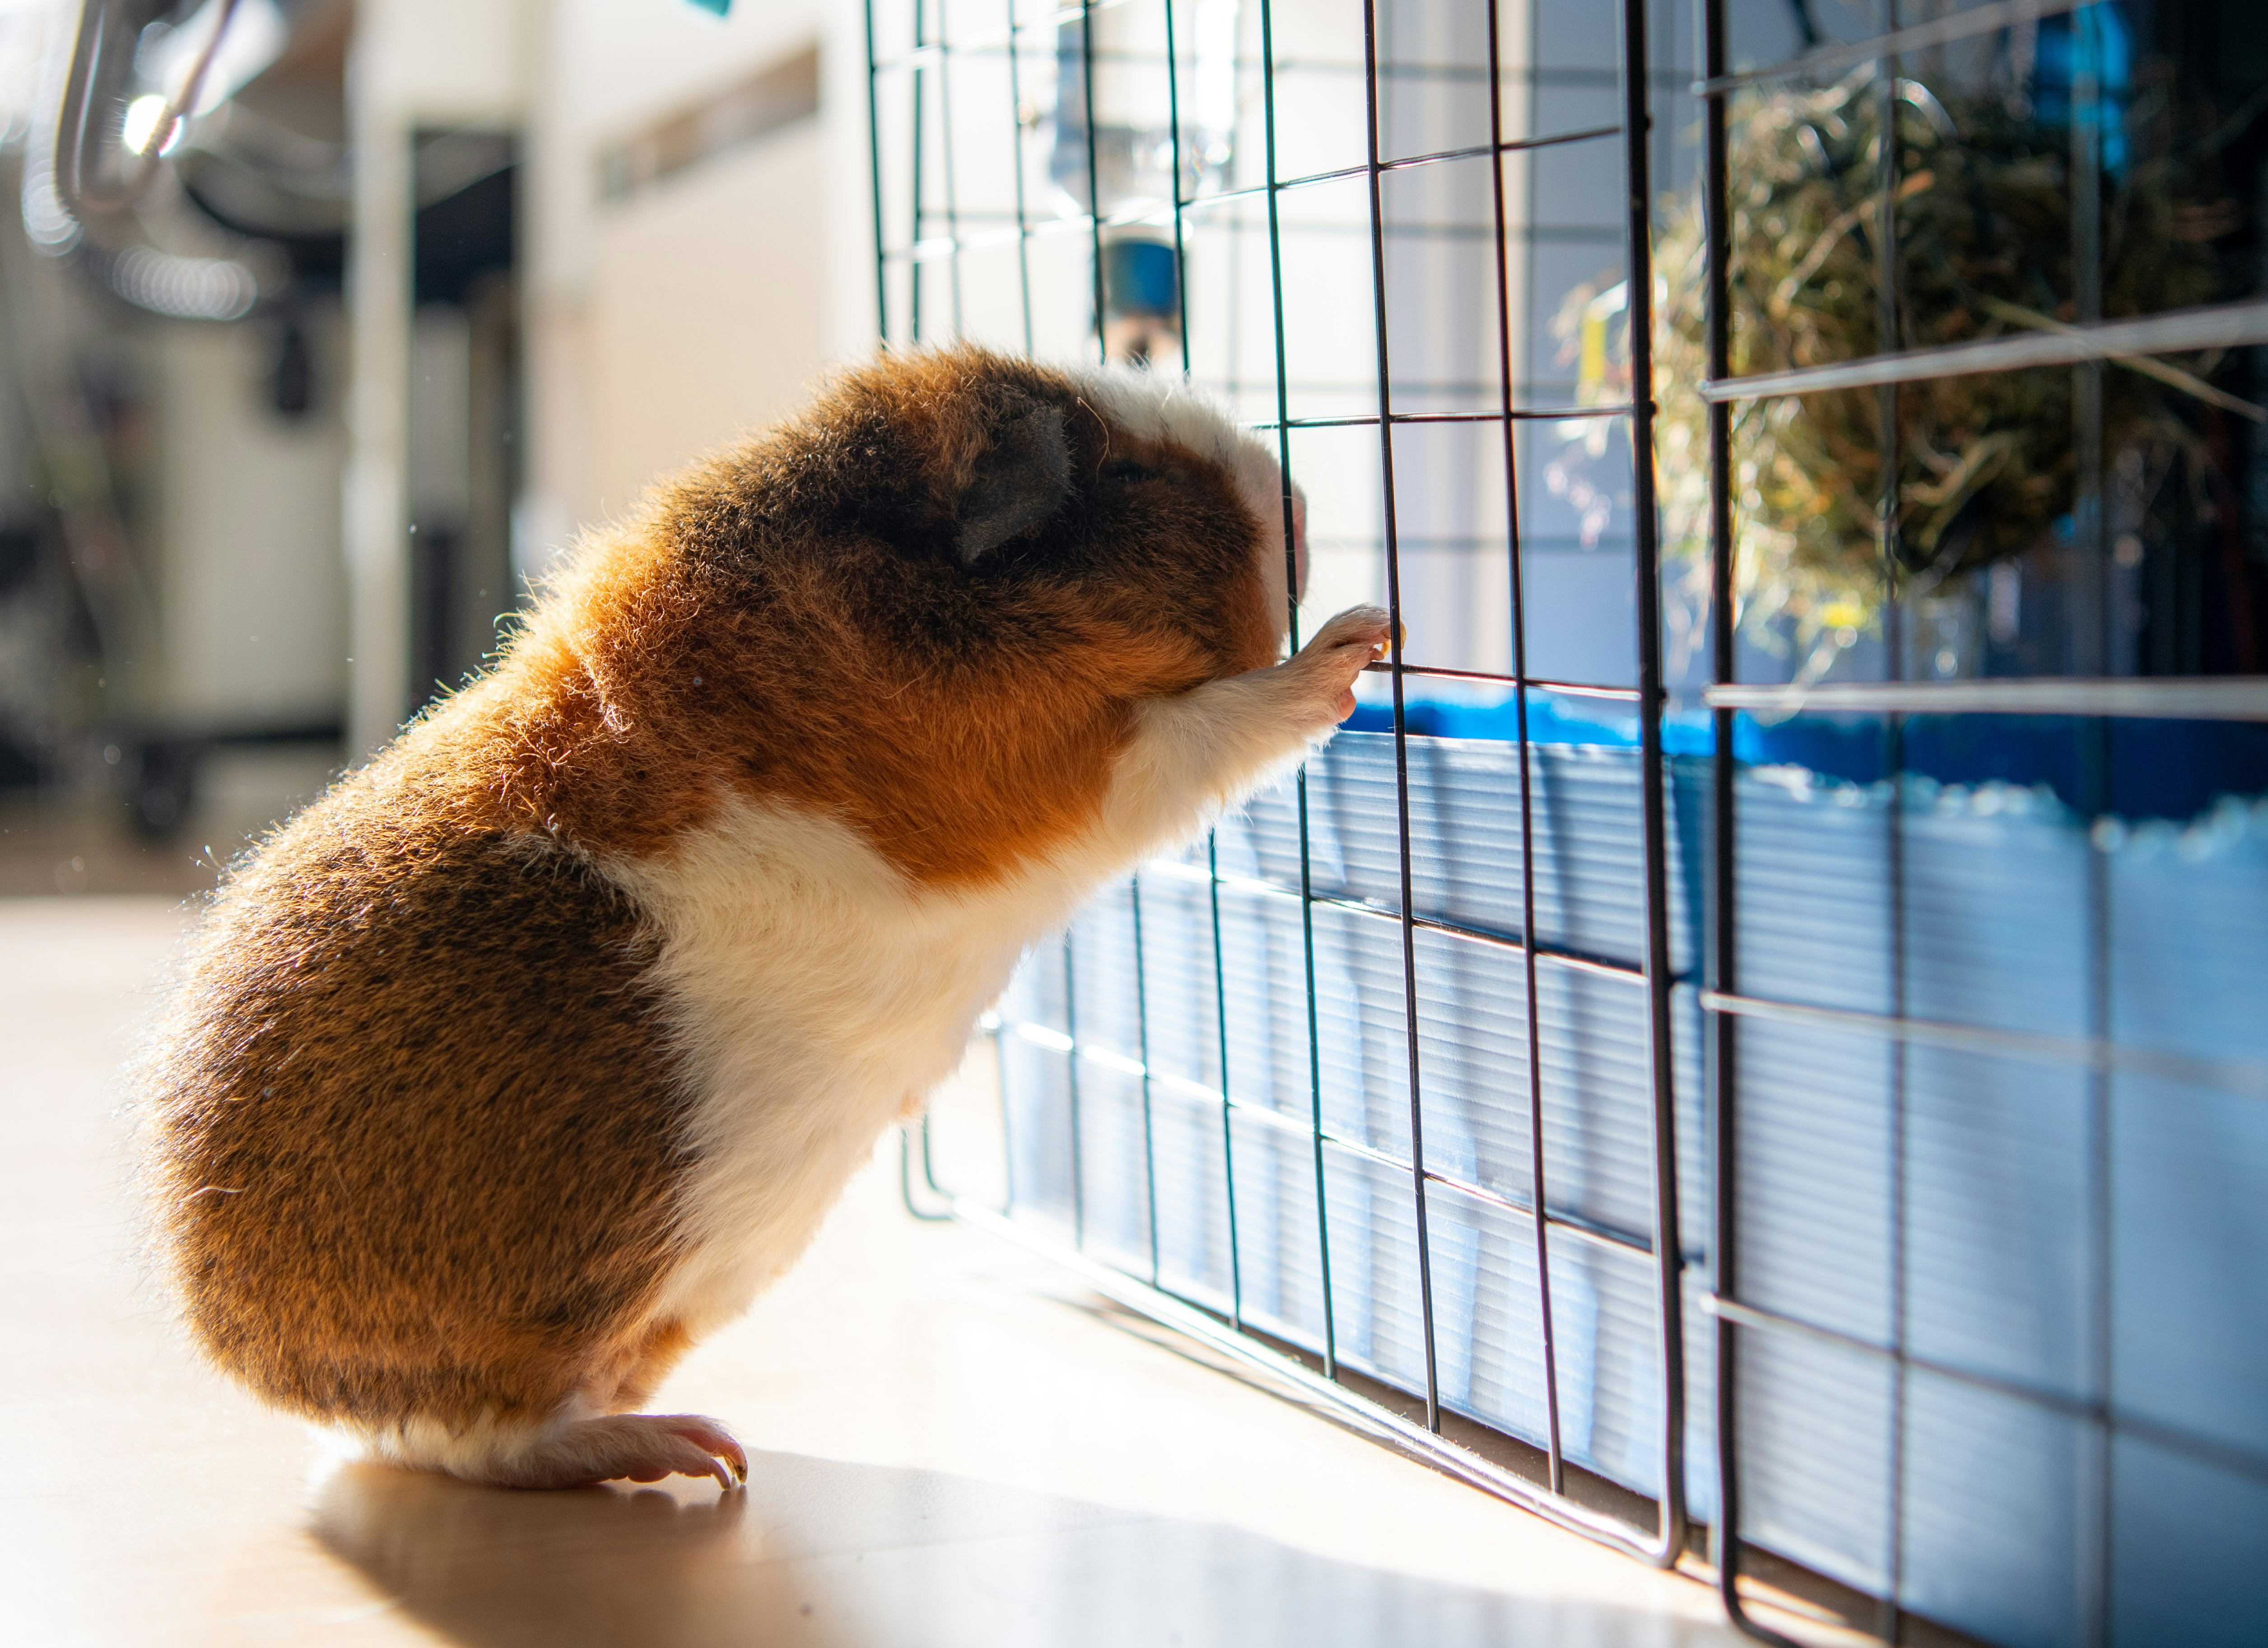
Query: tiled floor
{"points": [[952, 1446]]}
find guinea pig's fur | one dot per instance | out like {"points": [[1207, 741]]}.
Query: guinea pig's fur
{"points": [[526, 1056]]}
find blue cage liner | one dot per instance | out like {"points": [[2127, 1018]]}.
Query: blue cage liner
{"points": [[1999, 1445]]}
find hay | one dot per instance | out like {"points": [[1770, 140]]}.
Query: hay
{"points": [[1987, 463]]}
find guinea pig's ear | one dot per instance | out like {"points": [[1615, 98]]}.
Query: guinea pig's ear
{"points": [[1022, 478]]}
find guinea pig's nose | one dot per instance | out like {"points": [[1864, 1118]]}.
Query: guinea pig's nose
{"points": [[1299, 543]]}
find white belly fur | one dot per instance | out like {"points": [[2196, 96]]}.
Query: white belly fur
{"points": [[813, 992]]}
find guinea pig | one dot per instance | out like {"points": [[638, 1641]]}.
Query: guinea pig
{"points": [[526, 1056]]}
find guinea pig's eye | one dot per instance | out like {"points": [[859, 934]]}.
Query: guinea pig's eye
{"points": [[1125, 471]]}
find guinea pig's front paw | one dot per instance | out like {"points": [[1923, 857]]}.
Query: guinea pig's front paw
{"points": [[1336, 655]]}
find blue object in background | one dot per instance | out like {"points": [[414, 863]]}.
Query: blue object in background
{"points": [[2093, 42], [717, 8], [2152, 769], [1141, 277]]}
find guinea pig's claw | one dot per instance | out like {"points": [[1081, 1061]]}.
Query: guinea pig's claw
{"points": [[728, 1459]]}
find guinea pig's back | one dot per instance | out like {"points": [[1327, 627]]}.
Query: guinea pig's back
{"points": [[416, 1138]]}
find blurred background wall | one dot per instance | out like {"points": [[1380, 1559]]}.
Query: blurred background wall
{"points": [[414, 292]]}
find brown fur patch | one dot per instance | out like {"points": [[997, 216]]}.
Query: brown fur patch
{"points": [[664, 1346], [416, 1153]]}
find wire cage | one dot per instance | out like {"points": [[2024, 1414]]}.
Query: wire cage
{"points": [[1744, 1044]]}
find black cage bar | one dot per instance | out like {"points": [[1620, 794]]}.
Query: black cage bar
{"points": [[1616, 1057]]}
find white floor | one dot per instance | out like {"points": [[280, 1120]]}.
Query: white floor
{"points": [[952, 1446]]}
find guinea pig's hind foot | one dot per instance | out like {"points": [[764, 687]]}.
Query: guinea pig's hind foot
{"points": [[640, 1447]]}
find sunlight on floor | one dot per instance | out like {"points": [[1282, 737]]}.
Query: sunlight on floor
{"points": [[951, 1444]]}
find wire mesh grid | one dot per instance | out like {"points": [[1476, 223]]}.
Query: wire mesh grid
{"points": [[1434, 1075], [931, 232], [2071, 1514]]}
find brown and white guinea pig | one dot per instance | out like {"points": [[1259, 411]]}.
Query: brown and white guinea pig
{"points": [[521, 1060]]}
